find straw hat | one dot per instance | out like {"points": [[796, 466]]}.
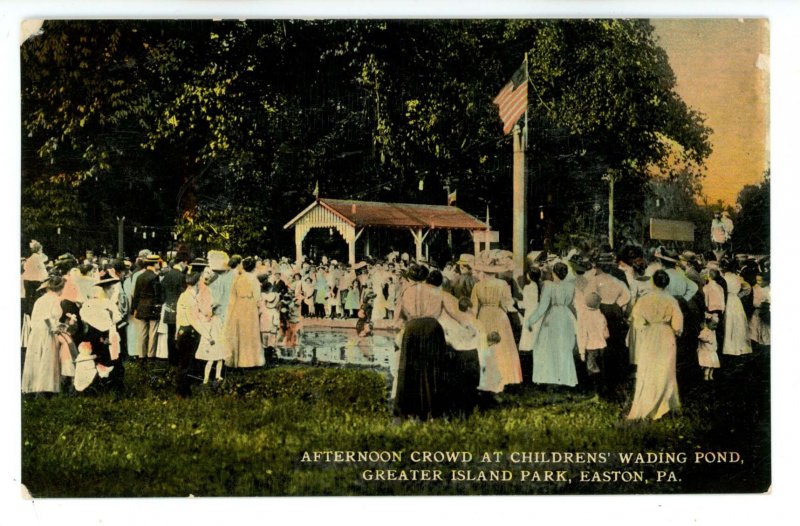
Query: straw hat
{"points": [[105, 279], [271, 300], [198, 265], [494, 261], [152, 259], [666, 254], [466, 259], [218, 260]]}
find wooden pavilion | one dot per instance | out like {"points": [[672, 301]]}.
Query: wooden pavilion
{"points": [[350, 218]]}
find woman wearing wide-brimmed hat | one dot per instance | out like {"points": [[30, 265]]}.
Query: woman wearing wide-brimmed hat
{"points": [[491, 303], [41, 372], [100, 316]]}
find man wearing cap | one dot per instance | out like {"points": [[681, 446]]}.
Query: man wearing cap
{"points": [[465, 281], [682, 289], [679, 286], [614, 299], [146, 308]]}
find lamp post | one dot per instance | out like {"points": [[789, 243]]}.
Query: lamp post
{"points": [[596, 208], [120, 242]]}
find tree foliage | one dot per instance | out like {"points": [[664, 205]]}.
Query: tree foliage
{"points": [[210, 124], [752, 228]]}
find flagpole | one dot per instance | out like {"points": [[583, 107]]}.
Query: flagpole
{"points": [[525, 131], [520, 203]]}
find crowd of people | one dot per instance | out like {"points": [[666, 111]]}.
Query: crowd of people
{"points": [[591, 320]]}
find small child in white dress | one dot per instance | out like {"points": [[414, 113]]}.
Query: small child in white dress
{"points": [[592, 337], [491, 379], [707, 347]]}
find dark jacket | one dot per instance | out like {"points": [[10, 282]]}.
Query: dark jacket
{"points": [[173, 284], [147, 297]]}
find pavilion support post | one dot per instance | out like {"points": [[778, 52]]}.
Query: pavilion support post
{"points": [[351, 245], [419, 238], [476, 240], [299, 234]]}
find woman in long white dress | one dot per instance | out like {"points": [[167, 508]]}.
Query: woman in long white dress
{"points": [[759, 321], [41, 372], [530, 300], [657, 320], [737, 339], [553, 358]]}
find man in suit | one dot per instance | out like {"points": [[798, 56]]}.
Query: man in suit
{"points": [[146, 307], [173, 284]]}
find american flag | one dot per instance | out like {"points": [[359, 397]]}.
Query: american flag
{"points": [[513, 98]]}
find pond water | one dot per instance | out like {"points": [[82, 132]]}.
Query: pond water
{"points": [[341, 346]]}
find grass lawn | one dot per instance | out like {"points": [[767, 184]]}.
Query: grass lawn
{"points": [[248, 436]]}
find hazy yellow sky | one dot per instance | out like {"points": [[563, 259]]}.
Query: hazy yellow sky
{"points": [[722, 70]]}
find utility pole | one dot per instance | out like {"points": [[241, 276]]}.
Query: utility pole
{"points": [[120, 243], [611, 176]]}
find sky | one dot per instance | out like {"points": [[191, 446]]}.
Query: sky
{"points": [[722, 71]]}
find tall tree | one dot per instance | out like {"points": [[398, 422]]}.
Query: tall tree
{"points": [[223, 128]]}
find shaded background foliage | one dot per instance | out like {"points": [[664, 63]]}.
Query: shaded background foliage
{"points": [[215, 133]]}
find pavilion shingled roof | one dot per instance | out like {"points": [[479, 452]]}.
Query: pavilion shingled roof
{"points": [[398, 215], [370, 213]]}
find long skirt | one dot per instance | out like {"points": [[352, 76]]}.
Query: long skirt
{"points": [[186, 342], [617, 357], [41, 372], [421, 369], [656, 390], [463, 375], [737, 339]]}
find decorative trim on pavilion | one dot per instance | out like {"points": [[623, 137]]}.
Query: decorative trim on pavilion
{"points": [[350, 218]]}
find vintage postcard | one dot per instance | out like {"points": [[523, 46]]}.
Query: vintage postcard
{"points": [[376, 256]]}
